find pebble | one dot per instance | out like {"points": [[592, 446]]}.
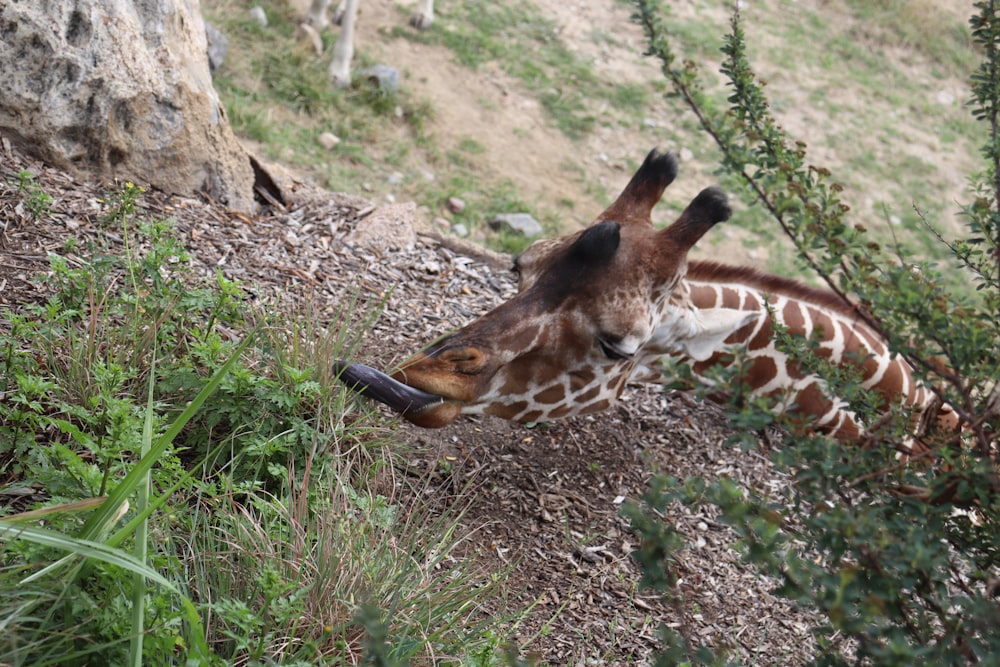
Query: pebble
{"points": [[258, 15], [328, 140], [455, 205], [519, 223]]}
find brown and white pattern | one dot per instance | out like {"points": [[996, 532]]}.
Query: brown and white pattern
{"points": [[843, 339]]}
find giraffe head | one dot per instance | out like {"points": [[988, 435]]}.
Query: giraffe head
{"points": [[592, 307]]}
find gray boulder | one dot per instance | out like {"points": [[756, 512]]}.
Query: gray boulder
{"points": [[519, 223], [120, 89]]}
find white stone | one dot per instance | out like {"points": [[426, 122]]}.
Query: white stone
{"points": [[328, 140], [259, 15]]}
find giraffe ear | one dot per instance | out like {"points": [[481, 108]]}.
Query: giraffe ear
{"points": [[598, 243], [713, 327]]}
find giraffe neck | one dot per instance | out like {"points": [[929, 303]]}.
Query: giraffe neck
{"points": [[843, 339]]}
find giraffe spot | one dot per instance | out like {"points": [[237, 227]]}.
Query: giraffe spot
{"points": [[721, 358], [507, 411], [532, 416], [894, 380], [793, 317], [826, 330], [813, 403], [865, 336], [596, 406], [512, 385], [580, 379], [590, 394], [763, 371], [561, 411], [704, 294], [526, 337], [548, 374], [763, 337], [553, 394], [731, 298]]}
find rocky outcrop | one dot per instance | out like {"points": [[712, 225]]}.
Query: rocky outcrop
{"points": [[119, 89]]}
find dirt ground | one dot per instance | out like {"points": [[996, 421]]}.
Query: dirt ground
{"points": [[546, 501]]}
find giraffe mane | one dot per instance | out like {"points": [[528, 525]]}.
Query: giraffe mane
{"points": [[709, 271]]}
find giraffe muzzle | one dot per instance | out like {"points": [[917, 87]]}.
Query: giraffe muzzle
{"points": [[409, 401]]}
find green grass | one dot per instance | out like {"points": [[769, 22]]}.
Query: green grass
{"points": [[203, 496], [918, 25]]}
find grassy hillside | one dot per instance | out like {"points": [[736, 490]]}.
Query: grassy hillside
{"points": [[546, 107]]}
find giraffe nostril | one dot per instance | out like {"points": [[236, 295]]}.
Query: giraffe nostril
{"points": [[465, 357]]}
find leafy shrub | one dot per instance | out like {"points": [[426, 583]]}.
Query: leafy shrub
{"points": [[900, 559], [173, 529]]}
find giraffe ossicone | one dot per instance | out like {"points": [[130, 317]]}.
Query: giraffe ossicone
{"points": [[605, 305]]}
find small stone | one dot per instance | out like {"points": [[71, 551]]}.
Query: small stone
{"points": [[258, 15], [292, 239], [455, 205], [519, 223], [431, 266], [328, 140], [460, 230], [395, 178], [442, 225], [385, 77], [685, 154]]}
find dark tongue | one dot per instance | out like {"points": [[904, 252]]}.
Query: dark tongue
{"points": [[378, 386]]}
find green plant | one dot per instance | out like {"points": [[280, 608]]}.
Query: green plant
{"points": [[37, 202], [144, 483], [905, 577]]}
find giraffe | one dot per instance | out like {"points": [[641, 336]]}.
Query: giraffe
{"points": [[345, 16], [603, 306]]}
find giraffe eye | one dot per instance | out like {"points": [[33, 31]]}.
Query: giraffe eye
{"points": [[611, 351]]}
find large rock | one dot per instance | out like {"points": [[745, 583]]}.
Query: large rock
{"points": [[119, 89]]}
